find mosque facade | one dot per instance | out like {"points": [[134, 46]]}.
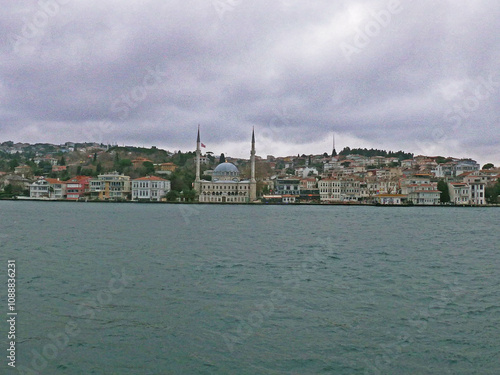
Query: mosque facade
{"points": [[226, 185]]}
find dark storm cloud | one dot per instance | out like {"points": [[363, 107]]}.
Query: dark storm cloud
{"points": [[384, 73]]}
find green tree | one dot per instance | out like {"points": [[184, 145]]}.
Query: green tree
{"points": [[13, 164], [172, 195], [88, 172], [8, 189], [150, 168], [44, 167], [443, 188], [125, 163], [116, 160], [189, 195], [488, 166], [222, 158], [65, 175], [492, 192], [61, 161]]}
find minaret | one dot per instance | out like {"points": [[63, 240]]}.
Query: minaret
{"points": [[253, 182], [197, 183]]}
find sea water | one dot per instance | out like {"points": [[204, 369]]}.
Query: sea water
{"points": [[108, 288]]}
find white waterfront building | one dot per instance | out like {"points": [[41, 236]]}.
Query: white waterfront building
{"points": [[150, 188]]}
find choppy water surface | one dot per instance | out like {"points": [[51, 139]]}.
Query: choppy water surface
{"points": [[170, 289]]}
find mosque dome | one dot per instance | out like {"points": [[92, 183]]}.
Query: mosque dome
{"points": [[226, 169], [226, 172]]}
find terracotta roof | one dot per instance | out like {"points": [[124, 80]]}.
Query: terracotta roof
{"points": [[54, 181], [465, 174]]}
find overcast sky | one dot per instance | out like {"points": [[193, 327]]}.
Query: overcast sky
{"points": [[421, 76]]}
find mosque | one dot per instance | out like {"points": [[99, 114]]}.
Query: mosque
{"points": [[226, 186]]}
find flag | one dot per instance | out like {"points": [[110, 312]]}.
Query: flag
{"points": [[202, 145]]}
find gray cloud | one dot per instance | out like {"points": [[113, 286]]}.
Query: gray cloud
{"points": [[148, 73]]}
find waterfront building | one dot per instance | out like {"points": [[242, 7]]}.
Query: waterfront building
{"points": [[77, 187], [390, 199], [417, 182], [368, 188], [425, 197], [477, 192], [48, 188], [350, 189], [14, 180], [288, 186], [110, 186], [460, 192], [150, 188], [329, 190], [226, 185]]}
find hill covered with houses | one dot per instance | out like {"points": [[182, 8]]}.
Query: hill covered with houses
{"points": [[91, 171]]}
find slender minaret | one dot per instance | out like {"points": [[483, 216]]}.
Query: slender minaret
{"points": [[253, 182], [197, 183]]}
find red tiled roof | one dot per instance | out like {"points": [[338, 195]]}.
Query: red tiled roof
{"points": [[54, 181], [139, 159]]}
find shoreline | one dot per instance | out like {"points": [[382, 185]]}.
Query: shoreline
{"points": [[355, 204]]}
